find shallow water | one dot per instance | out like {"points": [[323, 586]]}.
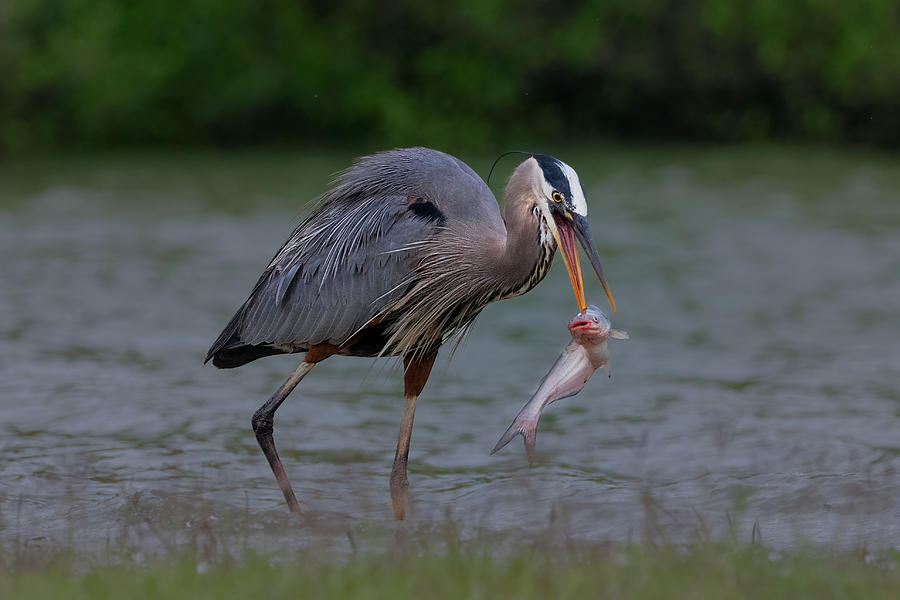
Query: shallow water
{"points": [[760, 387]]}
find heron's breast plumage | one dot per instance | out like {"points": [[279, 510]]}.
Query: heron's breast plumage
{"points": [[453, 285]]}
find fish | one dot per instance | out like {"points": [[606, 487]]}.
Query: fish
{"points": [[586, 353]]}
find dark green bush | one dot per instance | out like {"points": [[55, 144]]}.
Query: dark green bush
{"points": [[456, 73]]}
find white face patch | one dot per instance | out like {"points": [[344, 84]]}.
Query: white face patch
{"points": [[547, 188], [579, 202]]}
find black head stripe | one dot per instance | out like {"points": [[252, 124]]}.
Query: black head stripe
{"points": [[553, 173]]}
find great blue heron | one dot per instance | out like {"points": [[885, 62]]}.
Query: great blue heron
{"points": [[404, 251]]}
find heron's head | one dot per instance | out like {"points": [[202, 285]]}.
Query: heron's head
{"points": [[559, 196]]}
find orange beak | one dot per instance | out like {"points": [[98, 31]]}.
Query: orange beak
{"points": [[569, 229], [566, 243]]}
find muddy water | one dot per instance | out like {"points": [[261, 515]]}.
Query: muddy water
{"points": [[760, 387]]}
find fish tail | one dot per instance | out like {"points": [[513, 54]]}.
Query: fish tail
{"points": [[525, 426], [530, 436], [506, 438]]}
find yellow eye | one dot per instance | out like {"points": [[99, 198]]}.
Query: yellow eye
{"points": [[557, 197]]}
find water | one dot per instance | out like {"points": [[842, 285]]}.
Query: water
{"points": [[759, 388]]}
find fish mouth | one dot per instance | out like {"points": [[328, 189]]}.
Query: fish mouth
{"points": [[581, 323], [585, 328]]}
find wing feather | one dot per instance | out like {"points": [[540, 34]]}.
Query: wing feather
{"points": [[340, 269]]}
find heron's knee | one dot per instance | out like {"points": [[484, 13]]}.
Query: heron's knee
{"points": [[262, 423]]}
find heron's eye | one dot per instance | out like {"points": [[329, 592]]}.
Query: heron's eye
{"points": [[557, 197]]}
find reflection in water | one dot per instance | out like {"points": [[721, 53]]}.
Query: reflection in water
{"points": [[760, 384]]}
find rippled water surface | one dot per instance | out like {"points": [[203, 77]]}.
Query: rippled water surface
{"points": [[760, 387]]}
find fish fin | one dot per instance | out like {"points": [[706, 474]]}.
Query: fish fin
{"points": [[619, 335]]}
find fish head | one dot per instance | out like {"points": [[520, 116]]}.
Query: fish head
{"points": [[590, 326]]}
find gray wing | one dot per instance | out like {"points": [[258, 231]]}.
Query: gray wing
{"points": [[354, 256], [339, 270]]}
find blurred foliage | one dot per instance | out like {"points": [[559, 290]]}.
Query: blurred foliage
{"points": [[460, 73]]}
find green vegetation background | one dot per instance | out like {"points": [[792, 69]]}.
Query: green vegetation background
{"points": [[459, 73]]}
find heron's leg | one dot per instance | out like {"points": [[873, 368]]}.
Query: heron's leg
{"points": [[263, 421], [416, 371]]}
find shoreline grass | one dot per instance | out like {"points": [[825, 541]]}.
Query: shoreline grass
{"points": [[639, 571]]}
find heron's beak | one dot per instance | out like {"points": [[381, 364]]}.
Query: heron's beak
{"points": [[583, 233], [566, 228]]}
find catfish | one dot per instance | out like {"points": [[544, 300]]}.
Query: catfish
{"points": [[586, 353]]}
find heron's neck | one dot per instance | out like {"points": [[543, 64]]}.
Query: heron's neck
{"points": [[529, 247]]}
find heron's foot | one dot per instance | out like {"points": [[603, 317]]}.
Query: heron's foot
{"points": [[399, 487]]}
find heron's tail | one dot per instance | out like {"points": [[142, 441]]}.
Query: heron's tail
{"points": [[525, 425]]}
